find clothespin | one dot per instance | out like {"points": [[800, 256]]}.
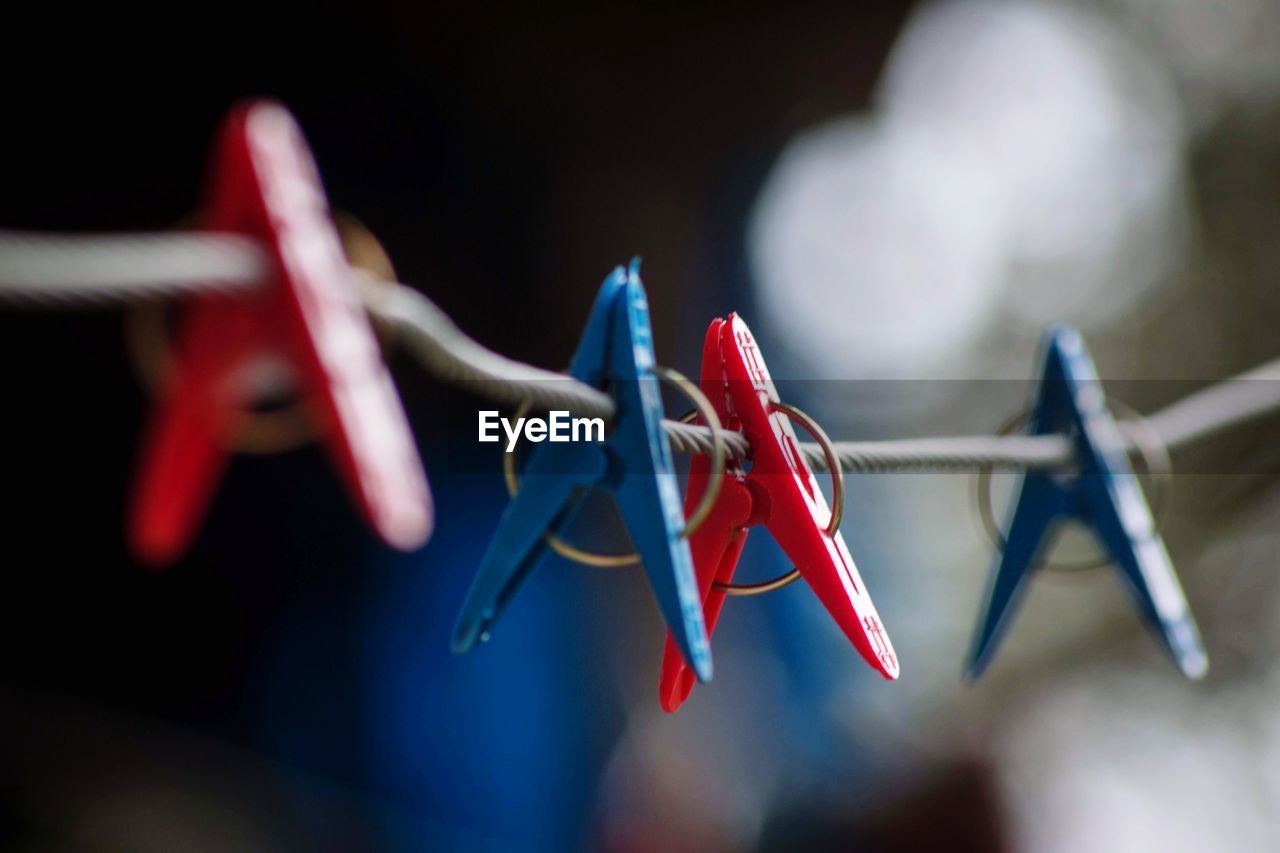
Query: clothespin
{"points": [[780, 492], [306, 322], [633, 465], [1104, 495]]}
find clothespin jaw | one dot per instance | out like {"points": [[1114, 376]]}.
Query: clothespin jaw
{"points": [[305, 324], [780, 492], [717, 544], [633, 464], [1104, 495]]}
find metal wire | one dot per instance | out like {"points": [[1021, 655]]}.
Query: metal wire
{"points": [[60, 270], [446, 351]]}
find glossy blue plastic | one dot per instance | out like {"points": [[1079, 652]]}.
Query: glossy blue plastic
{"points": [[1105, 496], [633, 465]]}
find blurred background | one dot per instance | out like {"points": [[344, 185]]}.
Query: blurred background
{"points": [[898, 197]]}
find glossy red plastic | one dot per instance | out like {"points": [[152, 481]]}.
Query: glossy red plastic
{"points": [[306, 323], [778, 491]]}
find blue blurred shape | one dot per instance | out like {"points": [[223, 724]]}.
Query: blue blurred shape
{"points": [[493, 751], [1104, 495], [633, 464]]}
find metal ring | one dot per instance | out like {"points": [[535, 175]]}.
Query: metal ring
{"points": [[1156, 465], [718, 452], [696, 518], [837, 505], [259, 432], [747, 589]]}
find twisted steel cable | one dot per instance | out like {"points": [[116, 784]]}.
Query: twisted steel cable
{"points": [[41, 269], [449, 354], [58, 270]]}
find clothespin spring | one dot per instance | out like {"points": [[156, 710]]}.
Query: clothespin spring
{"points": [[703, 408], [263, 431], [744, 590], [1156, 465]]}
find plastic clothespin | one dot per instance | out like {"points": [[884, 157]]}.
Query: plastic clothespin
{"points": [[633, 465], [780, 492], [306, 323], [1104, 495]]}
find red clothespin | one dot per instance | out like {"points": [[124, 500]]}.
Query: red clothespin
{"points": [[307, 319], [779, 491]]}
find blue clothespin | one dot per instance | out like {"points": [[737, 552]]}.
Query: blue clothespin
{"points": [[633, 464], [1104, 495]]}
